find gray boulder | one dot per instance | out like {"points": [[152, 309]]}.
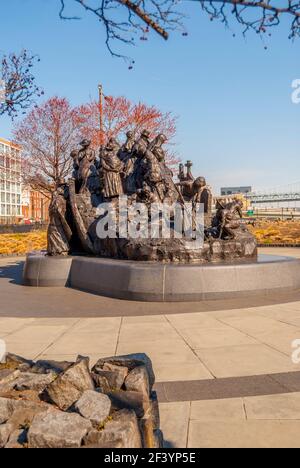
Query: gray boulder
{"points": [[70, 385], [101, 382], [138, 381], [131, 361], [30, 381], [122, 432], [155, 411], [7, 407], [24, 414], [94, 406], [17, 439], [58, 430], [130, 400], [46, 367], [7, 379], [17, 362], [111, 378], [5, 431]]}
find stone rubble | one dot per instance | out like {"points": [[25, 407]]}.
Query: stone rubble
{"points": [[58, 430], [138, 381], [122, 431], [94, 406], [31, 381], [50, 404], [70, 385]]}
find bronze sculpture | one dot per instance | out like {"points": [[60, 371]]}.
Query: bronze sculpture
{"points": [[110, 169], [59, 232], [156, 147], [85, 159], [138, 170], [196, 191], [228, 219], [126, 149]]}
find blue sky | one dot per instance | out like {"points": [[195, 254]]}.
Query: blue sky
{"points": [[233, 98]]}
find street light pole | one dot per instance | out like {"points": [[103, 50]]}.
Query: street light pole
{"points": [[100, 88]]}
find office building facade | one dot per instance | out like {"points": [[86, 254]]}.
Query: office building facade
{"points": [[227, 191], [10, 183]]}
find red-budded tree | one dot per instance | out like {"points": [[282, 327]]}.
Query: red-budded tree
{"points": [[52, 130], [47, 135], [121, 115]]}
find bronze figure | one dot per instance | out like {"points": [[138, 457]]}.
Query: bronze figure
{"points": [[197, 191], [59, 232], [156, 148], [111, 168], [228, 219], [125, 151], [86, 159]]}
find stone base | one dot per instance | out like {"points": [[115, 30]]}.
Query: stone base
{"points": [[153, 282]]}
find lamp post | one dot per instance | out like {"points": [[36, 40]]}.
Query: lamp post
{"points": [[100, 89]]}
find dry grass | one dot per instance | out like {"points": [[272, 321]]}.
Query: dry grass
{"points": [[277, 232], [22, 243], [266, 232]]}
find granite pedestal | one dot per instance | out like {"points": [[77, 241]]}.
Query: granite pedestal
{"points": [[153, 282]]}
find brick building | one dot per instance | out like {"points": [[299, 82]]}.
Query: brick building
{"points": [[35, 206]]}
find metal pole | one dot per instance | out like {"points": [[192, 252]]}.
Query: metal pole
{"points": [[100, 88]]}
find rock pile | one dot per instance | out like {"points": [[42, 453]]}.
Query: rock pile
{"points": [[48, 404]]}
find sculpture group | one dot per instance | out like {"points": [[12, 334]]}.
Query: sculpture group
{"points": [[138, 169]]}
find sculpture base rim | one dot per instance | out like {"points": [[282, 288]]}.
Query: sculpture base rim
{"points": [[152, 282]]}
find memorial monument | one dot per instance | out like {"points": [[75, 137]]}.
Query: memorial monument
{"points": [[138, 171], [124, 226]]}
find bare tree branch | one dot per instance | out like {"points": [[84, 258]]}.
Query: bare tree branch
{"points": [[123, 19], [19, 89]]}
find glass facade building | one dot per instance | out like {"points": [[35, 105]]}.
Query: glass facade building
{"points": [[10, 183], [235, 190]]}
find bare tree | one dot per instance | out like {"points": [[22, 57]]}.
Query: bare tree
{"points": [[18, 85], [125, 20]]}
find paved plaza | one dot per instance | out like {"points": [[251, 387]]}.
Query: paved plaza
{"points": [[224, 369]]}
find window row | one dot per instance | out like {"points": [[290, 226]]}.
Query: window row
{"points": [[10, 210], [13, 187], [10, 198]]}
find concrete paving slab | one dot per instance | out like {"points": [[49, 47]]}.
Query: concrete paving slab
{"points": [[231, 409], [175, 373], [281, 341], [214, 338], [244, 434], [236, 361], [272, 407], [257, 326], [174, 423], [147, 332]]}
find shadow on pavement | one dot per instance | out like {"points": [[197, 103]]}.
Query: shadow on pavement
{"points": [[169, 445], [13, 272]]}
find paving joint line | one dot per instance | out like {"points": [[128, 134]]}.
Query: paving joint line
{"points": [[188, 425], [57, 339], [119, 334], [256, 339], [193, 351]]}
